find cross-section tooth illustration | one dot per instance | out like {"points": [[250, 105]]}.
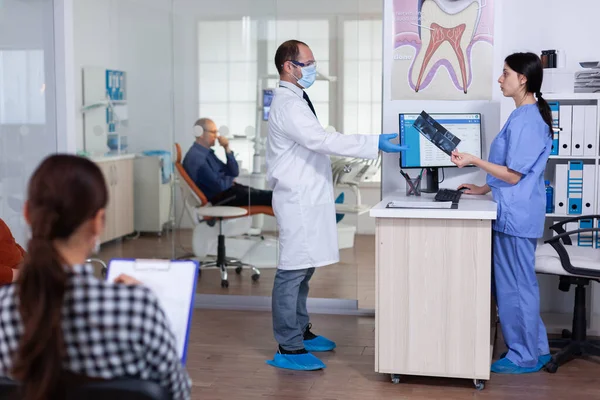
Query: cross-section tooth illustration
{"points": [[446, 37]]}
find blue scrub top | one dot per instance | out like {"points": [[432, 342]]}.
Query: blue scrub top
{"points": [[523, 145]]}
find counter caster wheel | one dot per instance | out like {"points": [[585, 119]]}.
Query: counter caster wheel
{"points": [[479, 384], [238, 270], [395, 379], [551, 367], [224, 284], [255, 277]]}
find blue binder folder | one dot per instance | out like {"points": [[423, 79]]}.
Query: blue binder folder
{"points": [[555, 109], [173, 283], [585, 239], [575, 187]]}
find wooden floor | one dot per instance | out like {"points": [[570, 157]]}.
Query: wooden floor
{"points": [[228, 349], [337, 281]]}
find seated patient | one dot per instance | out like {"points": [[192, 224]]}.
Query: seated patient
{"points": [[11, 255], [60, 324], [215, 178]]}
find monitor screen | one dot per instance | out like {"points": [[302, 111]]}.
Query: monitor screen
{"points": [[267, 99], [422, 153]]}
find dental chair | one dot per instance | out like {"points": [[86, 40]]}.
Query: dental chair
{"points": [[351, 172], [577, 266], [231, 222]]}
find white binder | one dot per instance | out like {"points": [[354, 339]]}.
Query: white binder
{"points": [[564, 137], [560, 189], [572, 226], [577, 132], [587, 206], [589, 133]]}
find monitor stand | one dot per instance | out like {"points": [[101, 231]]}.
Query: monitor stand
{"points": [[431, 174]]}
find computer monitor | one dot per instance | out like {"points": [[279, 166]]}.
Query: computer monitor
{"points": [[422, 153], [267, 99]]}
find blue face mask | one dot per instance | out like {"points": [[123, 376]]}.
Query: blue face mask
{"points": [[309, 75]]}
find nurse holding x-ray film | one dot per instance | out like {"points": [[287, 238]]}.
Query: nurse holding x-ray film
{"points": [[515, 176]]}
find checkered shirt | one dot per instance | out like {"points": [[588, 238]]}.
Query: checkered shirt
{"points": [[110, 331]]}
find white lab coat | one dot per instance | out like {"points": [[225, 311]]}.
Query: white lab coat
{"points": [[299, 173]]}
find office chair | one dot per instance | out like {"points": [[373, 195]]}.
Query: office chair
{"points": [[202, 211], [576, 266], [115, 389]]}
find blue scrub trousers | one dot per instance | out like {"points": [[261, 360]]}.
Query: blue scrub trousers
{"points": [[518, 297]]}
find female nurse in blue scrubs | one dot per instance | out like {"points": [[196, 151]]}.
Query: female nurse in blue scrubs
{"points": [[515, 176]]}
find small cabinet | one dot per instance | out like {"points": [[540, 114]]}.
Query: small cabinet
{"points": [[118, 174]]}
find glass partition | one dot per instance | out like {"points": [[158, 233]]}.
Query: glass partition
{"points": [[225, 71], [28, 130], [123, 53]]}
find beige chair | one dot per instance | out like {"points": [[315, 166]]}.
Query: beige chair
{"points": [[576, 266], [202, 211]]}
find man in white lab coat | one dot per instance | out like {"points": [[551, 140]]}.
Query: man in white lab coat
{"points": [[299, 172]]}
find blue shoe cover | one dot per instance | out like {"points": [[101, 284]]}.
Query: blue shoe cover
{"points": [[320, 343], [296, 362], [543, 360], [505, 366]]}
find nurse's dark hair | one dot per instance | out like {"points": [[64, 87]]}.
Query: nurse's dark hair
{"points": [[64, 192], [287, 51], [530, 65]]}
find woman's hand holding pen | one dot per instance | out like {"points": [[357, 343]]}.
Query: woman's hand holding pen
{"points": [[463, 159], [127, 280]]}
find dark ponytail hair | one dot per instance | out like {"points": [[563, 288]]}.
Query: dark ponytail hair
{"points": [[530, 65], [64, 192]]}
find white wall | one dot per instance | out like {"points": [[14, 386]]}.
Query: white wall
{"points": [[134, 36]]}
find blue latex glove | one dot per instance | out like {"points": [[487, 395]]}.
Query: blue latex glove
{"points": [[387, 146]]}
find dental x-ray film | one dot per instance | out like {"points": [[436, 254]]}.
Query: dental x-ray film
{"points": [[436, 133]]}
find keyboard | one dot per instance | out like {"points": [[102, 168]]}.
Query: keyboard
{"points": [[448, 195]]}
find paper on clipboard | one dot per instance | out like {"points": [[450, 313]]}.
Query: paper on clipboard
{"points": [[173, 283]]}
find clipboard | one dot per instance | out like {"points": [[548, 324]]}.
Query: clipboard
{"points": [[173, 283]]}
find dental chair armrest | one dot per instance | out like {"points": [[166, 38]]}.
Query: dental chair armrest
{"points": [[563, 254]]}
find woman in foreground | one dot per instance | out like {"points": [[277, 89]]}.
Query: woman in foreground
{"points": [[60, 325]]}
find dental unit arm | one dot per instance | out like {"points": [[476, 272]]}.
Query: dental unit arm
{"points": [[351, 172]]}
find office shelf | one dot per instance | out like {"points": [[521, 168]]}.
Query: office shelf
{"points": [[572, 96], [573, 157], [561, 215]]}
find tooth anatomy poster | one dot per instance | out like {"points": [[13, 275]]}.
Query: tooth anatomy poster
{"points": [[443, 49]]}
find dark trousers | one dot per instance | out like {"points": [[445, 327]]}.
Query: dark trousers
{"points": [[288, 304], [241, 195]]}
